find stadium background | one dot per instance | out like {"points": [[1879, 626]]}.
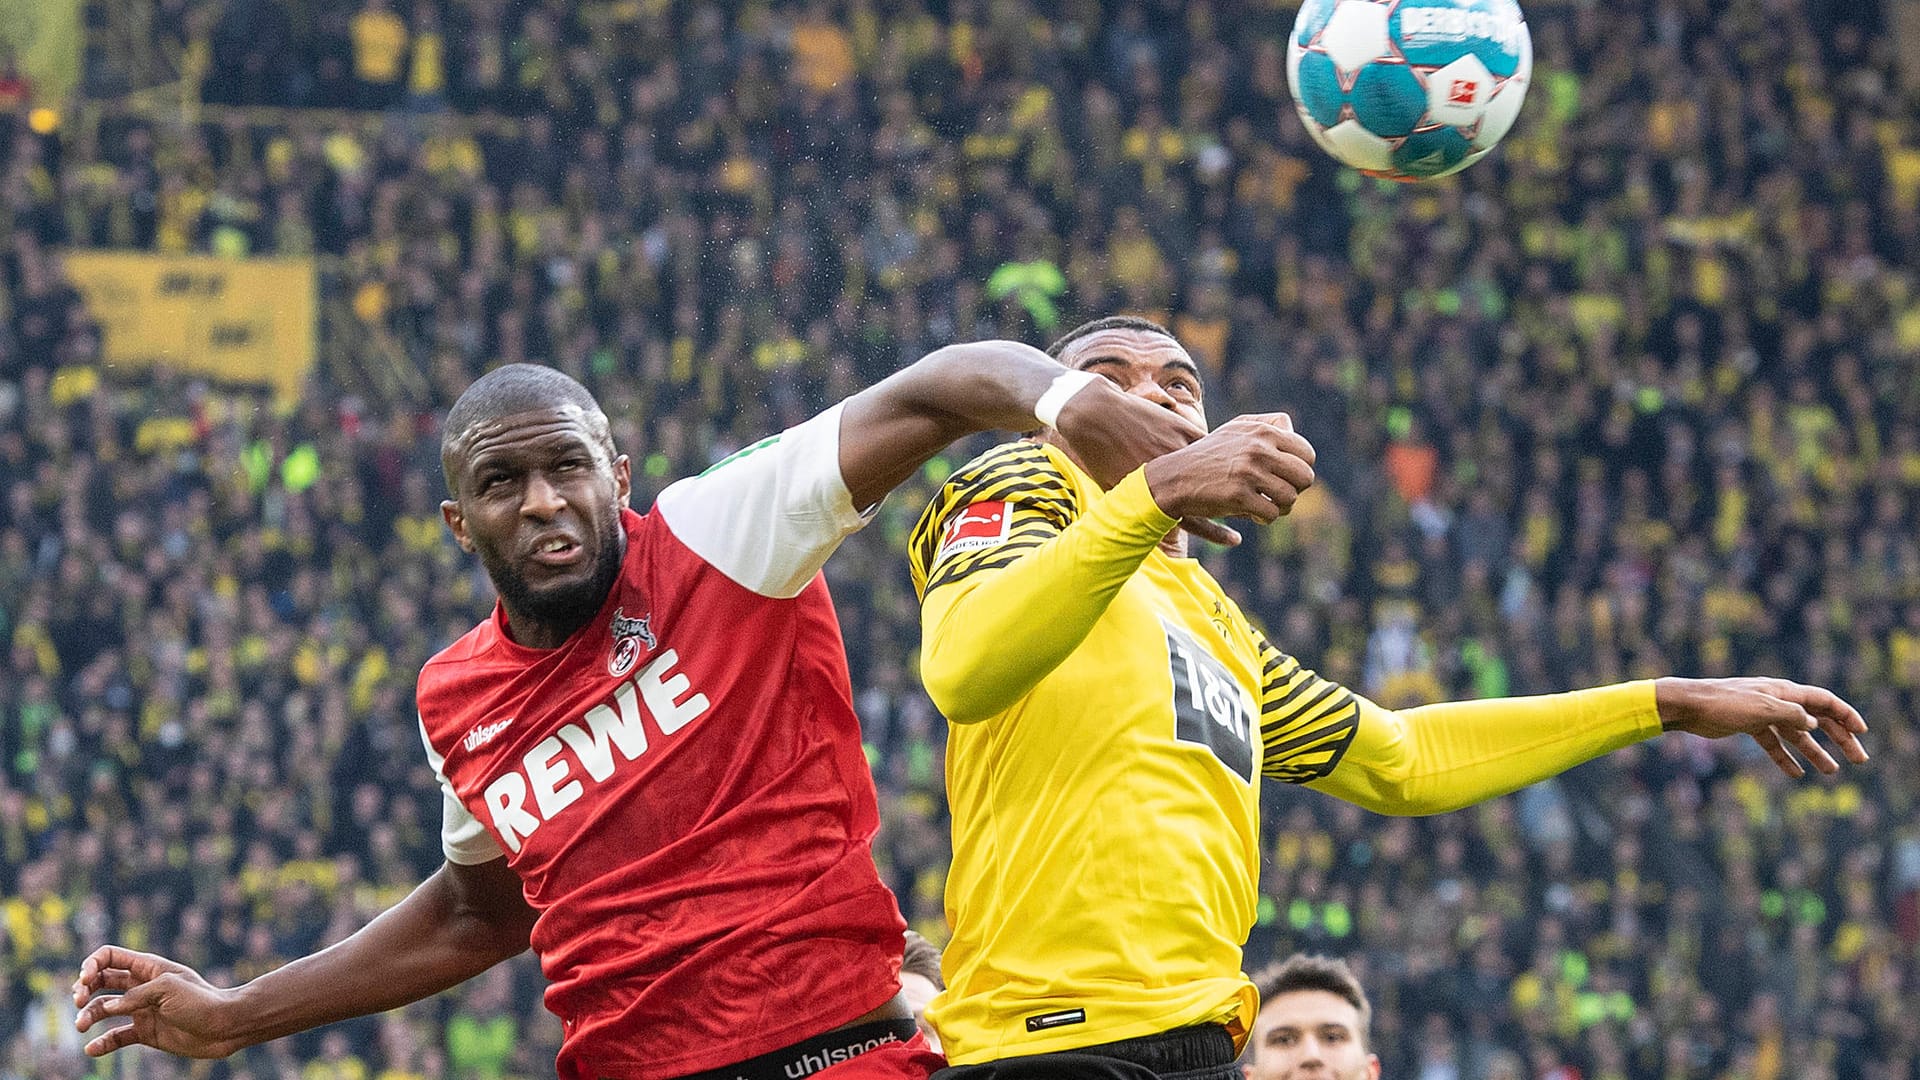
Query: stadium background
{"points": [[1640, 393]]}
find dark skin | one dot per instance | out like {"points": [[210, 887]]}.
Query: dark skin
{"points": [[1253, 467], [537, 496]]}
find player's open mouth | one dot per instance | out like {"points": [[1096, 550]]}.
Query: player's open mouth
{"points": [[557, 551]]}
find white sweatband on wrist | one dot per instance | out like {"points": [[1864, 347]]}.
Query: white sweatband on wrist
{"points": [[1065, 385]]}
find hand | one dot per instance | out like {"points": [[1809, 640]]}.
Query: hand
{"points": [[172, 1007], [1780, 715], [1251, 466], [1113, 433]]}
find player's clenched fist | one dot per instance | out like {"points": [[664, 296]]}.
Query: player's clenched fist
{"points": [[1113, 433], [1251, 466]]}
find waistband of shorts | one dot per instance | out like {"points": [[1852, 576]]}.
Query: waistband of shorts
{"points": [[820, 1052], [1204, 1046]]}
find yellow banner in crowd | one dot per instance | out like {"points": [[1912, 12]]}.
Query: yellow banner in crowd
{"points": [[236, 320]]}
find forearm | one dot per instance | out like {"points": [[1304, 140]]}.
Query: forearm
{"points": [[1436, 758], [989, 639], [429, 942], [949, 393]]}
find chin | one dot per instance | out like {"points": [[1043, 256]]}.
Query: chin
{"points": [[566, 600]]}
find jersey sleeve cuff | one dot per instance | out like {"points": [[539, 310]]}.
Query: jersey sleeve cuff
{"points": [[846, 517], [1628, 709], [1130, 507]]}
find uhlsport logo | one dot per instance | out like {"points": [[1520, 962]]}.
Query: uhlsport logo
{"points": [[628, 636], [827, 1057], [482, 734]]}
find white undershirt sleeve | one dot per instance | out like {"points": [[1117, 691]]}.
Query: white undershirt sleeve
{"points": [[462, 838], [769, 516]]}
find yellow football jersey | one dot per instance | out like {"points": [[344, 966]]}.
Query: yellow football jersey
{"points": [[1113, 715]]}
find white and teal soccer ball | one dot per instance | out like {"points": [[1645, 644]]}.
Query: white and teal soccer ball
{"points": [[1409, 89]]}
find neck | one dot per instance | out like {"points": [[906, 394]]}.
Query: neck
{"points": [[538, 633]]}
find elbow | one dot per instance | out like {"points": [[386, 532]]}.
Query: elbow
{"points": [[957, 679], [1392, 795], [1407, 799], [954, 693]]}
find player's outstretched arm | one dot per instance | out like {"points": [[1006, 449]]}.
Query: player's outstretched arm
{"points": [[889, 430], [1437, 758], [456, 924]]}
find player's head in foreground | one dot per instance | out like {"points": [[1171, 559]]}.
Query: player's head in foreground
{"points": [[535, 489], [1141, 356], [920, 981], [1313, 1024], [1145, 360]]}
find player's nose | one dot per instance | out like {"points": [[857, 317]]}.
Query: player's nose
{"points": [[1152, 390], [541, 498]]}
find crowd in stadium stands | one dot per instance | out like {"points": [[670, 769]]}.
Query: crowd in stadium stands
{"points": [[1640, 393]]}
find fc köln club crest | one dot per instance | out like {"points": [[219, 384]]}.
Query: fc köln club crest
{"points": [[632, 639]]}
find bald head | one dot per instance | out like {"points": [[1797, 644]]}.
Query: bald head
{"points": [[511, 390]]}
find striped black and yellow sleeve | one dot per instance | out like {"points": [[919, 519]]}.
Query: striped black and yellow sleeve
{"points": [[992, 511], [1306, 722]]}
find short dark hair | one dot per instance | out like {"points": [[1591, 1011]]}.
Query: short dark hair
{"points": [[1309, 971], [1110, 322], [922, 959], [516, 388]]}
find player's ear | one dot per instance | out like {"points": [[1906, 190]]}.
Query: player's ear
{"points": [[1373, 1067], [457, 522], [623, 477]]}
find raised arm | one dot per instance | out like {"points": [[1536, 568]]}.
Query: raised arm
{"points": [[456, 924], [770, 515], [1004, 608], [1000, 612], [891, 429]]}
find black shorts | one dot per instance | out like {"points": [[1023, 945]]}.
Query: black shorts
{"points": [[1189, 1053]]}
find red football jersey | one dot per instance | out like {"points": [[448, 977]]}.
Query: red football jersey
{"points": [[680, 786]]}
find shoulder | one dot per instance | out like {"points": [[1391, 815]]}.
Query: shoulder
{"points": [[1013, 496], [795, 470], [1022, 463], [1030, 474], [444, 692], [472, 645]]}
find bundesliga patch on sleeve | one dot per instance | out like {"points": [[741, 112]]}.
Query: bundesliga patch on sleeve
{"points": [[981, 525]]}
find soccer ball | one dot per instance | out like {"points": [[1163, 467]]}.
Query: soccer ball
{"points": [[1409, 89]]}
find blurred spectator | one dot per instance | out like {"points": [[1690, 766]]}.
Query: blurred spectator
{"points": [[379, 53]]}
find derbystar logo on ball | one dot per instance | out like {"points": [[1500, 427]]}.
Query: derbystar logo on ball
{"points": [[1461, 24]]}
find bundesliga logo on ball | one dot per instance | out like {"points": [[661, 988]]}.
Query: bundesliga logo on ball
{"points": [[1409, 89]]}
